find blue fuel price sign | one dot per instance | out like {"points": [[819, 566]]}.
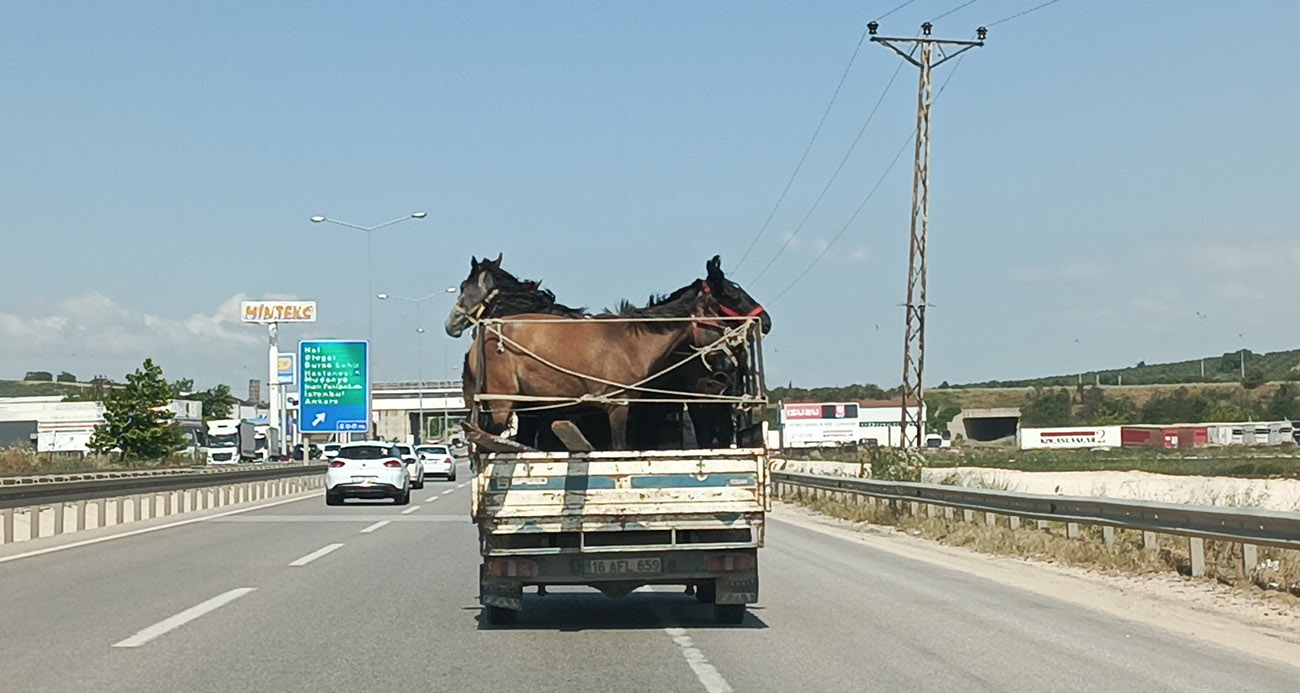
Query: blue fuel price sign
{"points": [[335, 386]]}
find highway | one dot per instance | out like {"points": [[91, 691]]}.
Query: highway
{"points": [[296, 596]]}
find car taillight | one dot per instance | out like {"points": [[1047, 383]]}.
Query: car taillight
{"points": [[450, 461], [336, 462], [392, 463]]}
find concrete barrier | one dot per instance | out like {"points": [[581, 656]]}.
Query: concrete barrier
{"points": [[55, 518]]}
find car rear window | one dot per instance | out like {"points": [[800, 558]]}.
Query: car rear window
{"points": [[364, 452], [433, 449]]}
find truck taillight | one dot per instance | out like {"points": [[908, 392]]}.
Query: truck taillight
{"points": [[392, 463], [730, 562], [336, 462], [510, 567]]}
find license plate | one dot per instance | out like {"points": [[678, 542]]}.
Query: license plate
{"points": [[364, 479], [623, 566]]}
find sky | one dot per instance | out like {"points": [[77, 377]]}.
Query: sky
{"points": [[1102, 174]]}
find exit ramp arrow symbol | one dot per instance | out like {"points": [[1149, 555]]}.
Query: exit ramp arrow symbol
{"points": [[320, 419]]}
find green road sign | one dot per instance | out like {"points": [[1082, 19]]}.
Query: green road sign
{"points": [[335, 382]]}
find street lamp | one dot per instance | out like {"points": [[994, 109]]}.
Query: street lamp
{"points": [[419, 345], [370, 306]]}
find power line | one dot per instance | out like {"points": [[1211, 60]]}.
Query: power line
{"points": [[870, 194], [806, 149], [826, 188], [1025, 12], [895, 10], [968, 3]]}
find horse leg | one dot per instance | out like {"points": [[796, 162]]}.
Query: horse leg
{"points": [[618, 426]]}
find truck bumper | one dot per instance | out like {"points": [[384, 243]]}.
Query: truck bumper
{"points": [[733, 573]]}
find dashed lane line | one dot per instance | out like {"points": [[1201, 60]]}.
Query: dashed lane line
{"points": [[430, 499], [410, 510], [375, 526], [450, 490], [316, 554], [708, 675], [169, 624]]}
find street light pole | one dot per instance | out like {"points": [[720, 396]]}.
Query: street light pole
{"points": [[370, 289], [419, 344]]}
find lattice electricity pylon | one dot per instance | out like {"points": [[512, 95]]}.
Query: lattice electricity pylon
{"points": [[922, 53]]}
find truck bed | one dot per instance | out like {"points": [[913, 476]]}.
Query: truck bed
{"points": [[593, 502]]}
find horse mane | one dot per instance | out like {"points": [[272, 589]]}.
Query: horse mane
{"points": [[678, 304], [518, 296]]}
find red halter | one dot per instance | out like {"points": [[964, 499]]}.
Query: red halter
{"points": [[753, 313]]}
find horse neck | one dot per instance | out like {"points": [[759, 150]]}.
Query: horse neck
{"points": [[658, 345]]}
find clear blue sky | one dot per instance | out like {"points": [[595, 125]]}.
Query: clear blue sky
{"points": [[1102, 172]]}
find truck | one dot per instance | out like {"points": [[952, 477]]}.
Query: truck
{"points": [[221, 441], [670, 512], [256, 440]]}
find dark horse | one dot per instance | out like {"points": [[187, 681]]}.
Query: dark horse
{"points": [[713, 423]]}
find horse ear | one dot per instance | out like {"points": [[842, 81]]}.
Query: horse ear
{"points": [[497, 262], [714, 267], [473, 263]]}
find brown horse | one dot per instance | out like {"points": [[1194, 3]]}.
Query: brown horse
{"points": [[533, 355]]}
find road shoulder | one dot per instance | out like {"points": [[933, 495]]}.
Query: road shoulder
{"points": [[1196, 609]]}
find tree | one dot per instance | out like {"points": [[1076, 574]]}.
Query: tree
{"points": [[1047, 407], [137, 422], [1283, 405], [66, 377], [218, 402], [39, 376]]}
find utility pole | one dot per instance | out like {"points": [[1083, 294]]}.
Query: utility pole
{"points": [[925, 53]]}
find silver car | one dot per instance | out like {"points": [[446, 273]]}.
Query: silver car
{"points": [[414, 465]]}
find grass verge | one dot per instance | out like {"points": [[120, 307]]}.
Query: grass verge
{"points": [[25, 461], [1276, 571]]}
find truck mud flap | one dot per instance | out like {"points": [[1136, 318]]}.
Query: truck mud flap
{"points": [[737, 589], [507, 594]]}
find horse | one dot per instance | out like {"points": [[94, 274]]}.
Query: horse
{"points": [[533, 355], [713, 423]]}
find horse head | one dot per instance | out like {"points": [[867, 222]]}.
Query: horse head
{"points": [[476, 294], [732, 299]]}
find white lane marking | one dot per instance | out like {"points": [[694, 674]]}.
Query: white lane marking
{"points": [[145, 530], [462, 485], [375, 526], [169, 624], [448, 491], [704, 671], [410, 510], [430, 499], [316, 554]]}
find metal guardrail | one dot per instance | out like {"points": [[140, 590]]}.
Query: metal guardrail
{"points": [[18, 495], [1246, 526]]}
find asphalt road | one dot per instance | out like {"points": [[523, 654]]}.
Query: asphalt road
{"points": [[216, 606]]}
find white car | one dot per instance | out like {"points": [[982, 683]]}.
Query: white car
{"points": [[330, 451], [372, 469], [414, 465], [438, 461]]}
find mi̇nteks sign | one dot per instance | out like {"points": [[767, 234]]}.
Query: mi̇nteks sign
{"points": [[277, 311]]}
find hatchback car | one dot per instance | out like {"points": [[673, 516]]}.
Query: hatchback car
{"points": [[367, 470], [330, 451], [438, 461], [414, 465]]}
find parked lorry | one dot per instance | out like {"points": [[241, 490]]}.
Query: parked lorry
{"points": [[221, 441], [256, 440], [671, 513]]}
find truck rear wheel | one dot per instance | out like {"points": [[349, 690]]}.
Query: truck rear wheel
{"points": [[729, 613], [500, 616]]}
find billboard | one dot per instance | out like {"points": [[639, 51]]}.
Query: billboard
{"points": [[1072, 437], [277, 311], [334, 377]]}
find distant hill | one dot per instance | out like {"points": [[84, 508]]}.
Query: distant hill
{"points": [[27, 388], [1223, 368]]}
